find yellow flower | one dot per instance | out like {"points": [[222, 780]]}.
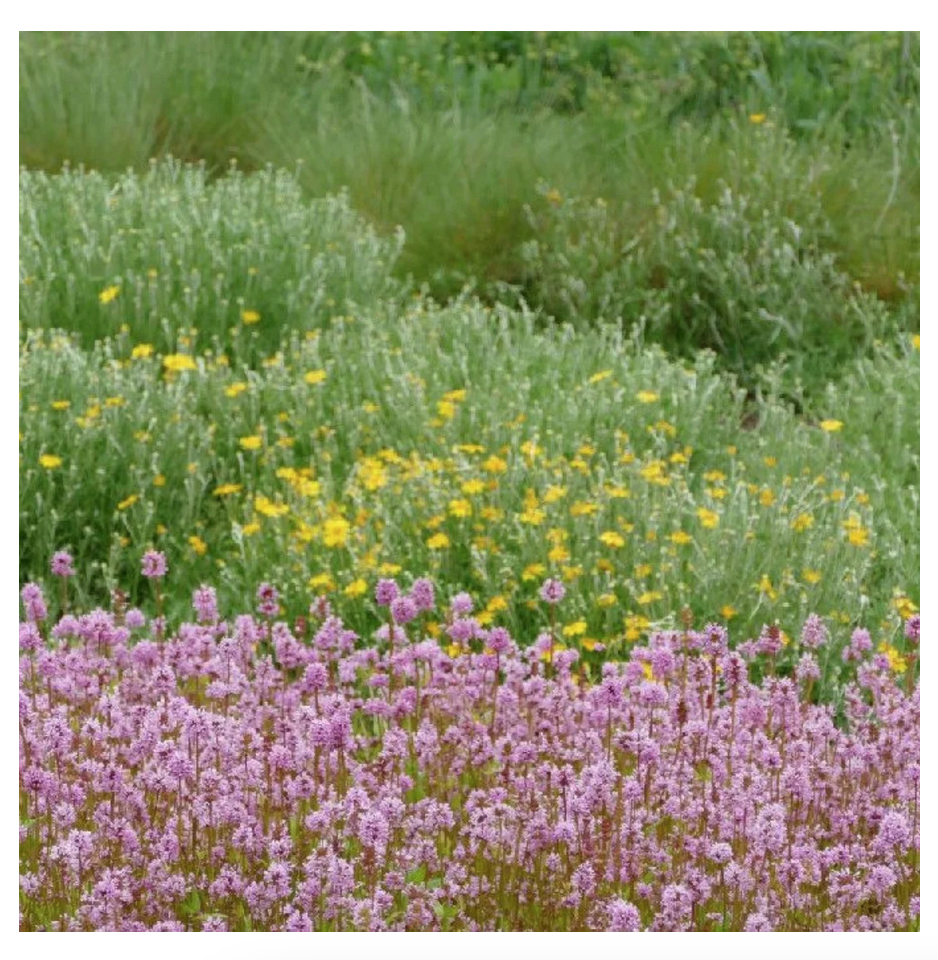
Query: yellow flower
{"points": [[472, 487], [226, 489], [765, 586], [802, 522], [766, 497], [198, 545], [554, 493], [177, 362], [455, 396], [770, 461], [554, 196], [558, 554], [681, 538], [108, 294], [757, 118], [656, 472], [460, 508], [249, 317], [602, 375], [709, 518], [617, 493], [612, 539], [249, 529], [859, 536], [129, 502], [643, 570], [356, 588], [251, 443], [142, 351], [446, 409], [650, 596], [727, 612], [571, 573], [646, 396], [61, 404], [313, 377], [831, 426], [575, 629], [159, 480], [635, 624], [714, 476], [389, 569], [533, 571], [497, 604], [268, 508], [495, 465], [439, 541], [533, 516], [234, 389], [916, 341], [904, 606], [322, 581], [896, 660], [335, 532], [606, 600], [583, 508], [811, 576], [50, 461], [114, 401]]}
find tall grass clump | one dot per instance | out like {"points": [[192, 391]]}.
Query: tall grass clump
{"points": [[172, 255]]}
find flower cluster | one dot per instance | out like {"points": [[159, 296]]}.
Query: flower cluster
{"points": [[235, 774]]}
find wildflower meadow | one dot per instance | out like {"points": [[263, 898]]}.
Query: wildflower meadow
{"points": [[403, 553]]}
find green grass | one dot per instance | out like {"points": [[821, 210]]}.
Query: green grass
{"points": [[450, 137]]}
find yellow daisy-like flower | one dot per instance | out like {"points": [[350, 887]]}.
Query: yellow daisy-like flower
{"points": [[708, 518], [335, 532], [494, 465], [460, 508], [141, 351], [650, 596], [802, 522], [575, 629], [313, 377], [473, 487], [602, 375], [606, 600], [439, 541], [831, 426], [356, 588], [235, 389], [916, 341], [646, 396], [533, 571], [177, 362], [612, 539], [198, 545], [109, 293], [757, 118], [811, 576], [251, 443], [129, 502], [226, 489], [321, 581], [250, 317], [61, 404], [727, 612], [681, 538], [50, 461]]}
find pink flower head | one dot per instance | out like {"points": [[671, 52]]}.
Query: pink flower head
{"points": [[62, 564], [154, 564], [553, 591], [386, 591]]}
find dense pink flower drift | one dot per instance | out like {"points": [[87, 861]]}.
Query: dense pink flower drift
{"points": [[240, 775]]}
